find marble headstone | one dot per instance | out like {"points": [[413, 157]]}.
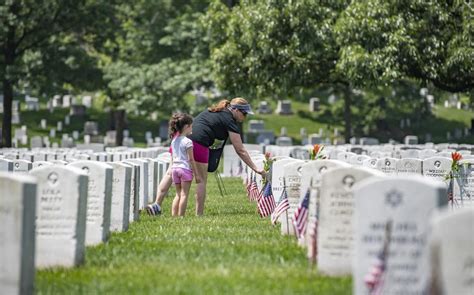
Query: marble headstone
{"points": [[391, 215]]}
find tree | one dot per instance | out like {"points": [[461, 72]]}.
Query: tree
{"points": [[276, 48], [26, 27], [430, 41]]}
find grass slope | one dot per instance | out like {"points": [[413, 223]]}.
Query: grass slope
{"points": [[228, 251]]}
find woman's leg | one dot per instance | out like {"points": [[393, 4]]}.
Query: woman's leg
{"points": [[201, 188], [175, 206], [164, 187], [183, 198]]}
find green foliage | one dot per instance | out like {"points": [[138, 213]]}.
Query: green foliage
{"points": [[229, 250], [384, 41], [275, 47]]}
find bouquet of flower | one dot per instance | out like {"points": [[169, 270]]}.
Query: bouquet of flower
{"points": [[455, 166], [267, 165], [317, 152]]}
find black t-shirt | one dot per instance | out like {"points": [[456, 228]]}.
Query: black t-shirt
{"points": [[208, 126]]}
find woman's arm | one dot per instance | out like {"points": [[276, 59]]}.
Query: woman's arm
{"points": [[242, 152]]}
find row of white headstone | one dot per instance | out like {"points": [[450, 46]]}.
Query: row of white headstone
{"points": [[50, 212], [430, 244]]}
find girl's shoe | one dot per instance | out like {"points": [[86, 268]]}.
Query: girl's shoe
{"points": [[153, 209]]}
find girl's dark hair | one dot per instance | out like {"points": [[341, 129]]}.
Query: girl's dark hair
{"points": [[177, 123]]}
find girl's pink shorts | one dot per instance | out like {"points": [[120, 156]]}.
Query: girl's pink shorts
{"points": [[181, 174]]}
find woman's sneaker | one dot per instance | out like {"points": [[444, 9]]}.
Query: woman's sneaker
{"points": [[153, 209]]}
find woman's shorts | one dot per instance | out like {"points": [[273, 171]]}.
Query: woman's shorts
{"points": [[200, 153], [181, 174]]}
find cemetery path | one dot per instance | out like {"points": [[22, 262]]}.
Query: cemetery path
{"points": [[230, 250]]}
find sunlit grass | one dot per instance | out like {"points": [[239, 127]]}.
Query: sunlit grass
{"points": [[228, 251]]}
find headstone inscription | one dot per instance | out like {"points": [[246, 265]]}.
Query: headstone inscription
{"points": [[394, 233], [60, 216], [335, 233], [17, 233], [99, 194]]}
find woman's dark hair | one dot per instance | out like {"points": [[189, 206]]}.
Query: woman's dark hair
{"points": [[220, 106], [177, 122]]}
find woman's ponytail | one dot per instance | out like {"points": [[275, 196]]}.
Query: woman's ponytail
{"points": [[219, 107]]}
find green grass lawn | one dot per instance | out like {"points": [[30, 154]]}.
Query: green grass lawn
{"points": [[230, 250]]}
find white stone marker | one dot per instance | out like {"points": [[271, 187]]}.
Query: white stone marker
{"points": [[409, 166], [120, 210], [452, 252], [311, 173], [134, 191], [143, 193], [387, 165], [41, 163], [233, 166], [464, 185], [17, 233], [335, 235], [22, 166], [6, 165], [99, 197], [437, 168], [405, 202], [60, 216], [292, 174]]}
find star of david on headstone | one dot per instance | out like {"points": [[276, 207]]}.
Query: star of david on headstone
{"points": [[53, 178], [393, 198]]}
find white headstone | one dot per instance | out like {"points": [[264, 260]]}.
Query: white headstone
{"points": [[120, 206], [99, 194], [387, 165], [22, 166], [335, 233], [6, 165], [393, 214], [452, 254], [437, 168], [409, 166], [60, 216], [292, 174], [134, 191], [143, 189], [17, 233]]}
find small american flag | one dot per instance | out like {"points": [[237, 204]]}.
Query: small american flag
{"points": [[282, 206], [300, 218], [254, 193], [374, 280], [266, 202]]}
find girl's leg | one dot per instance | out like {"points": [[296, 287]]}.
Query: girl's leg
{"points": [[183, 200], [175, 206], [164, 187], [201, 188]]}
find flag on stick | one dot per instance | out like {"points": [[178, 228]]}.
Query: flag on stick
{"points": [[282, 206], [266, 202], [254, 193], [374, 280], [300, 218]]}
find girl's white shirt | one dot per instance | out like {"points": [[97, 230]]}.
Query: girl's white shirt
{"points": [[180, 145]]}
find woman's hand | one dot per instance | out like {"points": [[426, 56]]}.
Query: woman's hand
{"points": [[262, 172]]}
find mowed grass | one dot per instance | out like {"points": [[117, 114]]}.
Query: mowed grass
{"points": [[230, 250]]}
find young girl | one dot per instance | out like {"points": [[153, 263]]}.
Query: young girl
{"points": [[182, 161]]}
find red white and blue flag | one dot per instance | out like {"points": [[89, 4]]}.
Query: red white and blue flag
{"points": [[282, 206], [300, 218], [374, 280], [266, 202], [313, 240], [254, 193]]}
